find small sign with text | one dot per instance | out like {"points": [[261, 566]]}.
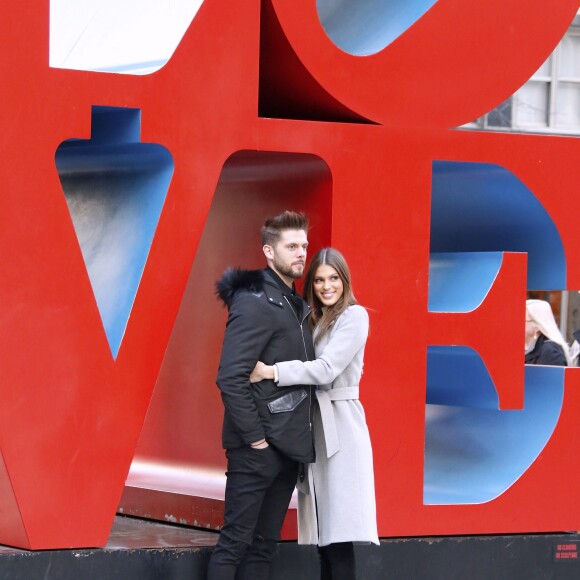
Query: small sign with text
{"points": [[566, 552]]}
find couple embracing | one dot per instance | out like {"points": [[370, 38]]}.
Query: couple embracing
{"points": [[289, 378]]}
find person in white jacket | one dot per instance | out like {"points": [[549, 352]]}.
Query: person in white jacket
{"points": [[336, 501]]}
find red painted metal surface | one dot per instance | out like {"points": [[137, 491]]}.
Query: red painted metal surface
{"points": [[71, 416]]}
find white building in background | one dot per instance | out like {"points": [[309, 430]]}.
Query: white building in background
{"points": [[550, 101]]}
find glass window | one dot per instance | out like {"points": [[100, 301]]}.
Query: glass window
{"points": [[545, 70], [569, 57], [501, 116], [550, 100], [532, 102], [567, 111]]}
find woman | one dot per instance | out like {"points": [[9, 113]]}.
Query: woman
{"points": [[337, 507], [545, 344]]}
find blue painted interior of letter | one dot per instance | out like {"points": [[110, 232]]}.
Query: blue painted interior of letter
{"points": [[460, 281], [474, 451], [472, 455], [115, 187], [366, 27], [447, 370], [481, 207]]}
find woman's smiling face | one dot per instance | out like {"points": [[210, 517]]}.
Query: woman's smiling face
{"points": [[328, 287]]}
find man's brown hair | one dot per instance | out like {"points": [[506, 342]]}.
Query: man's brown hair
{"points": [[287, 220]]}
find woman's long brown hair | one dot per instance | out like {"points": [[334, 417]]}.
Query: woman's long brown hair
{"points": [[324, 319]]}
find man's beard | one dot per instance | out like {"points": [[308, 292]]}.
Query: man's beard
{"points": [[287, 270]]}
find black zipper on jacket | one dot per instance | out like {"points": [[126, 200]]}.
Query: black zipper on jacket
{"points": [[305, 353]]}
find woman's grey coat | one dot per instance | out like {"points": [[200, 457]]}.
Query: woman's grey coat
{"points": [[341, 483]]}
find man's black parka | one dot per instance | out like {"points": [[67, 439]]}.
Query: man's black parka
{"points": [[268, 323]]}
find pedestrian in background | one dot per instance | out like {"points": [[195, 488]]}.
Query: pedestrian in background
{"points": [[545, 344]]}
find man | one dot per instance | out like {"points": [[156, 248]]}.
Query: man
{"points": [[267, 430]]}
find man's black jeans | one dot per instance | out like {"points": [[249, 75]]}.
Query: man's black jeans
{"points": [[259, 486]]}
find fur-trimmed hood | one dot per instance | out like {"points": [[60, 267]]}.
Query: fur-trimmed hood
{"points": [[262, 326], [234, 279]]}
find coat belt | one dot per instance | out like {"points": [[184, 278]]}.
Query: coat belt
{"points": [[325, 399]]}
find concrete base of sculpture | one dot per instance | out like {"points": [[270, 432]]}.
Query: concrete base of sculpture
{"points": [[143, 550]]}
